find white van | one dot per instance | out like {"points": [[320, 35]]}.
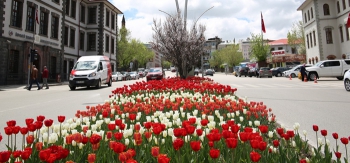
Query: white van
{"points": [[91, 71]]}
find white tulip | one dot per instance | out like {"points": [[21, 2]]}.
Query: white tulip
{"points": [[320, 141], [45, 137], [211, 118], [304, 132], [237, 113], [93, 118], [296, 126], [165, 133], [257, 123], [107, 120], [74, 143], [228, 115], [80, 145], [232, 114], [163, 141], [88, 133], [100, 116], [250, 123], [195, 112], [203, 116], [241, 119], [127, 142], [270, 134], [244, 111], [74, 131]]}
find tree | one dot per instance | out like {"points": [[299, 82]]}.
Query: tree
{"points": [[166, 64], [296, 37], [180, 47], [259, 49], [228, 55]]}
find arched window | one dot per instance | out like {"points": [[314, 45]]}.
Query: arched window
{"points": [[305, 18], [344, 5], [338, 6], [308, 15], [326, 9], [312, 13]]}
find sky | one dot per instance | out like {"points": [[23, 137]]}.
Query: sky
{"points": [[228, 19]]}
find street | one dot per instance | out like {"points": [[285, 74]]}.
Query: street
{"points": [[324, 103]]}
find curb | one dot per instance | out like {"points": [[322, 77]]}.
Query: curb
{"points": [[6, 87]]}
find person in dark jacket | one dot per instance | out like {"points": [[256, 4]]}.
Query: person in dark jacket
{"points": [[303, 72], [45, 75], [34, 78]]}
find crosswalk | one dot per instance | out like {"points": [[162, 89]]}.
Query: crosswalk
{"points": [[310, 85]]}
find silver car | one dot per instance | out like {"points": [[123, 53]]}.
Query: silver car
{"points": [[117, 76], [265, 72]]}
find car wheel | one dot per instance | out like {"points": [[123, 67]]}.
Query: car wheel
{"points": [[98, 85], [239, 75], [293, 75], [270, 77], [347, 85], [259, 76], [279, 75], [110, 82], [312, 76], [72, 88], [340, 78]]}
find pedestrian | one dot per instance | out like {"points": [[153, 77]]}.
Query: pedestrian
{"points": [[45, 75], [303, 72], [34, 78]]}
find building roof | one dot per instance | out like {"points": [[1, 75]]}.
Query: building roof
{"points": [[304, 4], [283, 41]]}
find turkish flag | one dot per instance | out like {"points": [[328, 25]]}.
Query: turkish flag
{"points": [[348, 23], [36, 15], [262, 24]]}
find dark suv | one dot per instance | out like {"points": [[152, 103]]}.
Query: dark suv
{"points": [[278, 71], [242, 71]]}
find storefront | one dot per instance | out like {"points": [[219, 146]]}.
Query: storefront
{"points": [[280, 58]]}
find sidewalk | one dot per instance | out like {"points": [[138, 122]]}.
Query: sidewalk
{"points": [[34, 86]]}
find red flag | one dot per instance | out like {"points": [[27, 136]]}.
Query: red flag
{"points": [[348, 23], [262, 24], [36, 15]]}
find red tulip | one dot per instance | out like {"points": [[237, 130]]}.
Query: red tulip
{"points": [[344, 140], [11, 123], [199, 132], [290, 133], [263, 129], [85, 139], [30, 139], [335, 135], [39, 146], [132, 117], [315, 127], [147, 125], [337, 154], [157, 130], [15, 130], [137, 127], [276, 143], [214, 153], [255, 156], [225, 126], [48, 122], [61, 118], [155, 151], [244, 136], [105, 114], [31, 127], [118, 136], [231, 143], [178, 143], [138, 138], [119, 147], [8, 130], [24, 130], [235, 128], [195, 145], [262, 145], [131, 152], [163, 158], [111, 126], [280, 131], [324, 132], [0, 137], [38, 124], [303, 161], [40, 118], [26, 154], [5, 156], [204, 122], [211, 144], [29, 121], [109, 134], [91, 157], [16, 154], [95, 138], [118, 122]]}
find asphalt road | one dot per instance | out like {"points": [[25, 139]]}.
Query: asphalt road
{"points": [[325, 103]]}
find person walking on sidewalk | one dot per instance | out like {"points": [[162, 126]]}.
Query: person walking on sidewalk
{"points": [[45, 75], [34, 78]]}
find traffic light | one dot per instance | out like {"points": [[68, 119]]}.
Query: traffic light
{"points": [[33, 55]]}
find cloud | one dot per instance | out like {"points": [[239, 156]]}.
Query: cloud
{"points": [[229, 19]]}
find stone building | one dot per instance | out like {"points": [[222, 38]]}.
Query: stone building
{"points": [[60, 30], [326, 34]]}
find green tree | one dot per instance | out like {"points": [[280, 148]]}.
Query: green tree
{"points": [[166, 64], [259, 49], [296, 37], [229, 55]]}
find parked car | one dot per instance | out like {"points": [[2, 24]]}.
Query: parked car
{"points": [[265, 72], [126, 75], [293, 72], [347, 81], [173, 69], [242, 71], [156, 73], [252, 72], [134, 75], [141, 74], [117, 76], [328, 68], [235, 70], [278, 71], [196, 71], [209, 72]]}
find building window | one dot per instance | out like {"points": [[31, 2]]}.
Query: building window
{"points": [[113, 21], [310, 39], [347, 33], [73, 9], [307, 40], [314, 33], [349, 3], [72, 38], [82, 40], [43, 23], [112, 45], [16, 17], [326, 9], [54, 27], [13, 61], [341, 34], [92, 15], [56, 1], [82, 14], [65, 39], [312, 13], [329, 37], [344, 5], [92, 41], [305, 18], [308, 15], [107, 18], [294, 50], [30, 19], [67, 7], [338, 6], [107, 43], [53, 66], [280, 48]]}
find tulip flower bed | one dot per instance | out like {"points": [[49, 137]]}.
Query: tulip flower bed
{"points": [[172, 120]]}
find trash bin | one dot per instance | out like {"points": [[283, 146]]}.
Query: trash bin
{"points": [[58, 78]]}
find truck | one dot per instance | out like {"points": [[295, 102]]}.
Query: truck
{"points": [[91, 71], [328, 68]]}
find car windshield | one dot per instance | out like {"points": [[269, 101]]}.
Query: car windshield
{"points": [[154, 70], [85, 65], [318, 64]]}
